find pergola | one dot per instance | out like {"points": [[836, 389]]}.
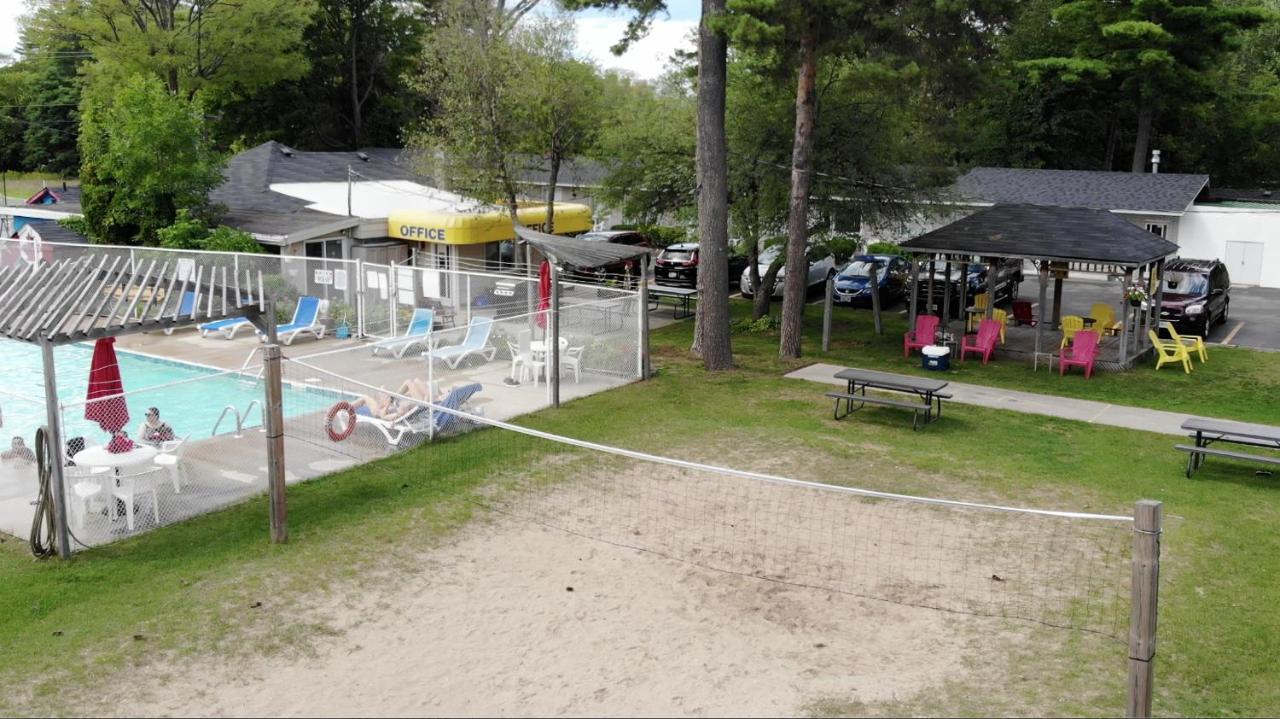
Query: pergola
{"points": [[1058, 241], [561, 251], [99, 295]]}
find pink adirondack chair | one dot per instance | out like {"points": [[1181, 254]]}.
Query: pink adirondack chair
{"points": [[1081, 353], [921, 336], [985, 341]]}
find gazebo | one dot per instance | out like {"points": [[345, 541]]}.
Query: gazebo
{"points": [[100, 295], [1058, 241]]}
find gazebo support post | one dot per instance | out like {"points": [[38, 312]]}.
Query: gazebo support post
{"points": [[1159, 296], [915, 292], [1125, 326], [1057, 301], [933, 269], [964, 292], [946, 296], [991, 289], [55, 452], [1044, 292], [553, 349]]}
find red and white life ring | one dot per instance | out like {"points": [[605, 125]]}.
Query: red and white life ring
{"points": [[335, 434]]}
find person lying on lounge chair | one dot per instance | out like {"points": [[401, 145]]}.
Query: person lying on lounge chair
{"points": [[392, 407]]}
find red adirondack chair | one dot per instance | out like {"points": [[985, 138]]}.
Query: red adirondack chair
{"points": [[921, 336], [1023, 314], [985, 341], [1081, 353]]}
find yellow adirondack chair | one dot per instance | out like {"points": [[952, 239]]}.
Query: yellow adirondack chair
{"points": [[1071, 324], [1002, 317], [1104, 319], [1191, 342], [980, 302], [1167, 352]]}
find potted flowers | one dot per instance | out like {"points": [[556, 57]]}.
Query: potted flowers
{"points": [[1136, 295]]}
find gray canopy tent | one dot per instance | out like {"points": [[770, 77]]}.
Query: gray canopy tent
{"points": [[99, 295], [563, 251], [1058, 241]]}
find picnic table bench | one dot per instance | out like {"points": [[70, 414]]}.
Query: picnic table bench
{"points": [[924, 393], [682, 299], [1211, 431]]}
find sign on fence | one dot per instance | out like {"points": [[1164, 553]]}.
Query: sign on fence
{"points": [[324, 277]]}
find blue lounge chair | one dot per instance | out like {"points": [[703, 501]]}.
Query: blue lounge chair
{"points": [[417, 334], [306, 318], [476, 342], [227, 328], [185, 307], [422, 420]]}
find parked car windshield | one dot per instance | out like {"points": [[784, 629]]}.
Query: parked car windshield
{"points": [[769, 254], [861, 268], [596, 237], [1186, 283], [677, 255]]}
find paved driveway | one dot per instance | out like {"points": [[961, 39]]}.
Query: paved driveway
{"points": [[1254, 320]]}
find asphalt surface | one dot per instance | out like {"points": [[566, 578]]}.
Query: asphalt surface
{"points": [[1254, 318]]}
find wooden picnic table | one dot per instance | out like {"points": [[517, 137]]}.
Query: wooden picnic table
{"points": [[1211, 431], [682, 299], [858, 381]]}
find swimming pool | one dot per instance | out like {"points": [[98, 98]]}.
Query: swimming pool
{"points": [[191, 406]]}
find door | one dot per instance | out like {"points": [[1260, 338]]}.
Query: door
{"points": [[1244, 262]]}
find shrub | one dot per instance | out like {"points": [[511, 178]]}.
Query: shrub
{"points": [[884, 248]]}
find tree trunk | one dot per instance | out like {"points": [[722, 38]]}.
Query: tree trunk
{"points": [[711, 330], [797, 270], [356, 120], [1109, 158], [1142, 142], [761, 300], [552, 177]]}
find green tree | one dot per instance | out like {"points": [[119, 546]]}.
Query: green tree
{"points": [[16, 88], [1159, 55], [192, 46], [191, 233], [53, 115], [146, 157]]}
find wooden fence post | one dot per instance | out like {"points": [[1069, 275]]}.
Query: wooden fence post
{"points": [[1144, 598], [274, 417]]}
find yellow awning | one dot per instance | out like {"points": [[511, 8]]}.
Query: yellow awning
{"points": [[477, 228]]}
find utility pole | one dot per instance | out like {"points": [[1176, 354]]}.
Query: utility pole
{"points": [[349, 173]]}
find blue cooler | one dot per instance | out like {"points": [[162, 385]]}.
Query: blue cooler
{"points": [[936, 357]]}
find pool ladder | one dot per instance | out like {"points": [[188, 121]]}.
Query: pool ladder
{"points": [[241, 417]]}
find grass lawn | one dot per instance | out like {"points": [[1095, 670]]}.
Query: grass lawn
{"points": [[1230, 385], [21, 185], [192, 588]]}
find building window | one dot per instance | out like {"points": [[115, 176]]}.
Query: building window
{"points": [[1158, 228]]}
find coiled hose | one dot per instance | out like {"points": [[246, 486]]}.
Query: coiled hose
{"points": [[43, 538]]}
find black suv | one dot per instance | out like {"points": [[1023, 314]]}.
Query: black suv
{"points": [[617, 271], [1197, 295], [677, 265]]}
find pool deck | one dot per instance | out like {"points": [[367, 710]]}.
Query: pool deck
{"points": [[226, 469]]}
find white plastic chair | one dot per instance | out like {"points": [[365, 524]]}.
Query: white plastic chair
{"points": [[132, 486], [170, 458], [572, 357], [87, 485]]}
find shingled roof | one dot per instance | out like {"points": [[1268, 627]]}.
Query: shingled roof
{"points": [[1071, 234], [1117, 191]]}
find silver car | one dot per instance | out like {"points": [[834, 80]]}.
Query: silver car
{"points": [[819, 270]]}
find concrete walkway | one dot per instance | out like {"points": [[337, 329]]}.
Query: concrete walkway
{"points": [[1083, 410]]}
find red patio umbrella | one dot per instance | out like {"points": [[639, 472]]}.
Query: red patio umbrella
{"points": [[104, 403], [544, 294]]}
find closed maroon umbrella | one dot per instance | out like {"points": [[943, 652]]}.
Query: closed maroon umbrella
{"points": [[544, 294], [104, 402]]}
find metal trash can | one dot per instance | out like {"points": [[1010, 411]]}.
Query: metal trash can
{"points": [[936, 358]]}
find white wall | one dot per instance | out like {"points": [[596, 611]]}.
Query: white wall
{"points": [[1206, 229]]}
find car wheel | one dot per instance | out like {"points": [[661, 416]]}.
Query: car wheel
{"points": [[1226, 312], [1205, 326]]}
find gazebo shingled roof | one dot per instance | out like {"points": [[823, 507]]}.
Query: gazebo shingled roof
{"points": [[1069, 234]]}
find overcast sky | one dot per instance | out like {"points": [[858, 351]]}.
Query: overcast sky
{"points": [[597, 31]]}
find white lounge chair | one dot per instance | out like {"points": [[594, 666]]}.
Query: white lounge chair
{"points": [[417, 334], [306, 318], [419, 420], [476, 342]]}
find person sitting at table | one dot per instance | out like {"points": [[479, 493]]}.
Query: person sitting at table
{"points": [[155, 431], [18, 451], [120, 442]]}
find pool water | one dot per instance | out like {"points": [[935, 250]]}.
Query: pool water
{"points": [[191, 407]]}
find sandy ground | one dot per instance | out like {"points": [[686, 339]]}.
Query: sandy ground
{"points": [[490, 627]]}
